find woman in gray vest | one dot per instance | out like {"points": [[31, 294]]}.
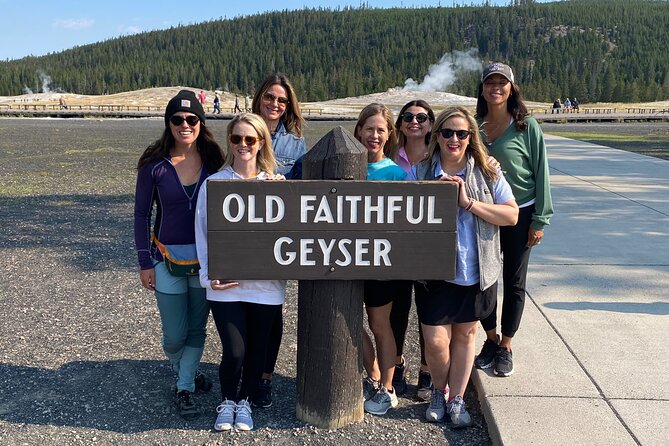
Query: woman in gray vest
{"points": [[449, 311]]}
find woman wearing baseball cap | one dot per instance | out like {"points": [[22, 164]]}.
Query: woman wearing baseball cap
{"points": [[170, 173], [516, 141]]}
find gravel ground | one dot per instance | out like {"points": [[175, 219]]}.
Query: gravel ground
{"points": [[80, 339]]}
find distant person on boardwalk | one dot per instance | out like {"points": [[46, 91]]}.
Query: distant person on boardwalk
{"points": [[170, 174], [516, 141], [574, 104], [567, 105], [247, 100], [556, 106], [375, 130], [237, 109], [202, 97], [62, 103], [276, 102], [217, 103], [244, 310], [413, 128], [449, 311]]}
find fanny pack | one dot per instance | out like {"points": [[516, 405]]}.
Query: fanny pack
{"points": [[180, 260]]}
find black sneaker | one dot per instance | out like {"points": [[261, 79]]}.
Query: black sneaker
{"points": [[486, 358], [503, 362], [263, 396], [425, 386], [183, 400], [202, 383], [399, 380]]}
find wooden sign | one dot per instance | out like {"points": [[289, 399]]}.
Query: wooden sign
{"points": [[334, 230]]}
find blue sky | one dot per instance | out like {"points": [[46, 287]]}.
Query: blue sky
{"points": [[38, 27]]}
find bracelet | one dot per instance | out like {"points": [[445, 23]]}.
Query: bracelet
{"points": [[469, 205]]}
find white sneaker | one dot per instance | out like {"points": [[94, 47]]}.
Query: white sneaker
{"points": [[243, 420], [226, 415], [381, 402], [435, 412], [458, 413]]}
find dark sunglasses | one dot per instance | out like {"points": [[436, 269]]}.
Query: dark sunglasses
{"points": [[420, 117], [269, 97], [248, 140], [461, 134], [177, 120]]}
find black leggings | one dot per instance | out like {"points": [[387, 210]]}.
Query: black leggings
{"points": [[399, 321], [244, 329], [516, 257], [275, 336]]}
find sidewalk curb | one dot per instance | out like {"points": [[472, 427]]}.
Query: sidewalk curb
{"points": [[488, 415]]}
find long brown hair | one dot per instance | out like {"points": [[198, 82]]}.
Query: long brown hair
{"points": [[514, 105], [401, 138], [209, 150], [475, 148], [292, 118]]}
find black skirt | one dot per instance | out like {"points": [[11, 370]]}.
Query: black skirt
{"points": [[441, 303]]}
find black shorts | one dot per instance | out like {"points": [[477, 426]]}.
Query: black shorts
{"points": [[381, 292], [441, 303]]}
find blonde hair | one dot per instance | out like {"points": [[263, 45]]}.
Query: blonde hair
{"points": [[475, 148], [374, 109], [265, 160]]}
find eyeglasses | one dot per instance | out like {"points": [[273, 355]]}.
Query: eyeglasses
{"points": [[269, 97], [420, 117], [248, 140], [177, 120], [461, 134]]}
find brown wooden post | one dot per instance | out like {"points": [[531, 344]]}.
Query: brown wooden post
{"points": [[329, 325]]}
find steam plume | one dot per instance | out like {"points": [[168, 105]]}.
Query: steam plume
{"points": [[443, 74]]}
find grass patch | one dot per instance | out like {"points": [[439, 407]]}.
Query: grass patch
{"points": [[656, 145]]}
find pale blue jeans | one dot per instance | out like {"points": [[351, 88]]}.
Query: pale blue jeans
{"points": [[184, 311]]}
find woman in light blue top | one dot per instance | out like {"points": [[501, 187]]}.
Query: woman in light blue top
{"points": [[276, 101], [375, 131]]}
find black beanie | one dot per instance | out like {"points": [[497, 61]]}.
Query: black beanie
{"points": [[185, 100]]}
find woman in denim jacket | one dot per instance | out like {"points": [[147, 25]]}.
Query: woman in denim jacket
{"points": [[277, 103]]}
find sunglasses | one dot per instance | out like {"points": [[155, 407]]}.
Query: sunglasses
{"points": [[248, 140], [269, 97], [420, 117], [461, 134], [177, 120]]}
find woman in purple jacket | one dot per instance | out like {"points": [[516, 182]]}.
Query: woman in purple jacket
{"points": [[169, 175]]}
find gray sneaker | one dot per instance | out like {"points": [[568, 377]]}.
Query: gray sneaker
{"points": [[381, 402], [457, 410], [435, 412], [369, 388], [243, 420], [503, 362], [226, 416]]}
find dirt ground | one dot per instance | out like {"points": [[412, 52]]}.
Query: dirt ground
{"points": [[80, 355]]}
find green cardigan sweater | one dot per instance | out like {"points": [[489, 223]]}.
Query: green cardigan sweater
{"points": [[524, 162]]}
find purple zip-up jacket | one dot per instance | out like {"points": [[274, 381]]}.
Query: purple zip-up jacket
{"points": [[175, 210]]}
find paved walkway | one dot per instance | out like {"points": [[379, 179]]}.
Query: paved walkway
{"points": [[592, 354]]}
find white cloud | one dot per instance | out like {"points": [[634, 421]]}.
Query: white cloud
{"points": [[130, 29], [74, 23]]}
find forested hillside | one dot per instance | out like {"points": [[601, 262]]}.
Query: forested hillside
{"points": [[596, 50]]}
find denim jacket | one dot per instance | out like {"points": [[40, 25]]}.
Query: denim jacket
{"points": [[287, 148]]}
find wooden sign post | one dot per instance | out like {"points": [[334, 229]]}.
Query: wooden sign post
{"points": [[331, 234], [329, 321]]}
